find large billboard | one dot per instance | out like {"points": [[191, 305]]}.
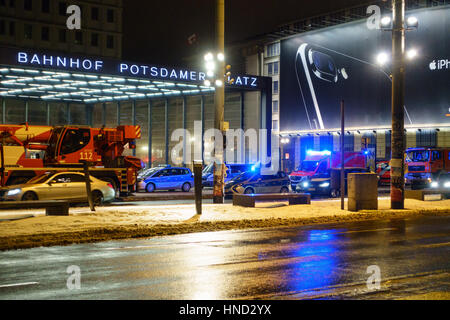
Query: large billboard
{"points": [[321, 68]]}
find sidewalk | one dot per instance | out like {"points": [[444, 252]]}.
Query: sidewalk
{"points": [[126, 221]]}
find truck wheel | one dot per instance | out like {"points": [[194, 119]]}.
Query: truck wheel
{"points": [[186, 187], [335, 193], [150, 187], [97, 197], [284, 190], [29, 196]]}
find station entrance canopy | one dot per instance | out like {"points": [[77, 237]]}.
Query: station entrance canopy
{"points": [[84, 79]]}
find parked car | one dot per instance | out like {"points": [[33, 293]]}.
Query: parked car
{"points": [[167, 178], [233, 170], [254, 183], [59, 186]]}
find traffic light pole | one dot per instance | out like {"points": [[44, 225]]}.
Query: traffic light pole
{"points": [[218, 193], [398, 97]]}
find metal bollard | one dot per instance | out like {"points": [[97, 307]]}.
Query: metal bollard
{"points": [[198, 167]]}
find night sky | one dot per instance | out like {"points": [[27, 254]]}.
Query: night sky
{"points": [[158, 31]]}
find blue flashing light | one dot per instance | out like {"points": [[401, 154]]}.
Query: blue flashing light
{"points": [[318, 153]]}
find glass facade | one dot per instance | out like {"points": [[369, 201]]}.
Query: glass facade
{"points": [[181, 113], [158, 132]]}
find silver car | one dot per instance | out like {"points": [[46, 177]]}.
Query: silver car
{"points": [[59, 186]]}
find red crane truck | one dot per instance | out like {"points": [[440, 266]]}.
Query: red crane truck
{"points": [[27, 151]]}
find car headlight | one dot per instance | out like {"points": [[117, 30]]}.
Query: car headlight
{"points": [[447, 184], [13, 192], [324, 185], [305, 184], [434, 184]]}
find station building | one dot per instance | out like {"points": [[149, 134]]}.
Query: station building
{"points": [[53, 76]]}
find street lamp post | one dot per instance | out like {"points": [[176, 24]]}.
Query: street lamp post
{"points": [[218, 191], [398, 99]]}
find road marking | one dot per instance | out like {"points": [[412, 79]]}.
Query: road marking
{"points": [[18, 284], [367, 230], [434, 245]]}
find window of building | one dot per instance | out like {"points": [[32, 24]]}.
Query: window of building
{"points": [[94, 13], [28, 5], [110, 15], [62, 8], [275, 107], [269, 69], [28, 31], [78, 37], [110, 42], [45, 34], [426, 138], [349, 142], [12, 28], [275, 125], [2, 27], [275, 87], [273, 50], [46, 6], [94, 40], [62, 35], [272, 68]]}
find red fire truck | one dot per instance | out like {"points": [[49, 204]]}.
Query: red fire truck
{"points": [[27, 151], [319, 171], [427, 167]]}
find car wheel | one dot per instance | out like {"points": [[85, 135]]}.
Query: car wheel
{"points": [[186, 187], [150, 187], [29, 196], [334, 193], [249, 191], [97, 197], [284, 190]]}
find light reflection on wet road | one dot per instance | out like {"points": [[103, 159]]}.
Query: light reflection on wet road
{"points": [[327, 261]]}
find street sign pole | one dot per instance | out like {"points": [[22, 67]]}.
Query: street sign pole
{"points": [[398, 102], [218, 190]]}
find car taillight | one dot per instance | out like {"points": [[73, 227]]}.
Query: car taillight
{"points": [[110, 185]]}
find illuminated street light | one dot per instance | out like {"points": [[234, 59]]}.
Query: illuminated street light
{"points": [[412, 22], [209, 56], [221, 57], [386, 22], [207, 83], [382, 58], [411, 54], [219, 83]]}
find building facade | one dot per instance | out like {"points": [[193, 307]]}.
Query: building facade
{"points": [[41, 24], [374, 137], [54, 92]]}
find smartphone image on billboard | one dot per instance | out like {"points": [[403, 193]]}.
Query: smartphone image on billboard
{"points": [[326, 77]]}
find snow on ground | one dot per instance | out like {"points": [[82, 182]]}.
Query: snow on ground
{"points": [[126, 221]]}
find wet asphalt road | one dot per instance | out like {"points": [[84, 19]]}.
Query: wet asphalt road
{"points": [[327, 261]]}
